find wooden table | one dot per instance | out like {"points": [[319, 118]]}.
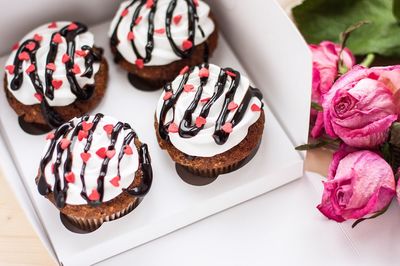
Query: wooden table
{"points": [[19, 244]]}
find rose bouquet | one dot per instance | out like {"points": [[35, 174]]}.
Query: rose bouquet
{"points": [[355, 107]]}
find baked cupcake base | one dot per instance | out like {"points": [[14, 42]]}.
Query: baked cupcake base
{"points": [[152, 78], [32, 114], [223, 163]]}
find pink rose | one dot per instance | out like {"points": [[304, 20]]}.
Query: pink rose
{"points": [[325, 71], [360, 107], [359, 183]]}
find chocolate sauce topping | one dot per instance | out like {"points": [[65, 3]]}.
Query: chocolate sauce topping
{"points": [[51, 116], [187, 127], [193, 19], [72, 130]]}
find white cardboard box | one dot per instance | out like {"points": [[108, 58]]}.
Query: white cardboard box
{"points": [[264, 44]]}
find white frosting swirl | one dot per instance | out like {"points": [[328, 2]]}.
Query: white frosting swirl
{"points": [[163, 53], [203, 144], [62, 96], [129, 164]]}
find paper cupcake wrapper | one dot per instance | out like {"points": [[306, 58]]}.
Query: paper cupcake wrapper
{"points": [[215, 172], [90, 225]]}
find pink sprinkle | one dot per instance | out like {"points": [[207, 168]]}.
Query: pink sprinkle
{"points": [[139, 63], [173, 128], [30, 69], [186, 45], [188, 87], [131, 36], [167, 95], [204, 73], [227, 128], [184, 70], [232, 106], [137, 21], [177, 19], [125, 12], [52, 25]]}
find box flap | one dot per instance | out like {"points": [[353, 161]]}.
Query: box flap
{"points": [[288, 66]]}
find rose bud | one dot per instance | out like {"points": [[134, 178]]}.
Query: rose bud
{"points": [[360, 107], [325, 71], [359, 183]]}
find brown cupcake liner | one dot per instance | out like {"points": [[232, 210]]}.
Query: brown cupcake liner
{"points": [[215, 172], [90, 225]]}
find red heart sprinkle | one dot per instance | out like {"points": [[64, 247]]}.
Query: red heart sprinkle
{"points": [[10, 69], [177, 19], [70, 177], [72, 26], [52, 25], [30, 46], [160, 31], [37, 37], [229, 73], [125, 12], [57, 38], [128, 150], [167, 95], [139, 63], [86, 126], [23, 56], [15, 46], [64, 143], [110, 153], [149, 3], [227, 128], [52, 168], [94, 196], [186, 45], [196, 2], [85, 156], [82, 135], [65, 58], [115, 181], [51, 66], [232, 106], [184, 70], [205, 100], [108, 128], [173, 128], [188, 87], [137, 21], [255, 108], [102, 153], [76, 69], [204, 73], [200, 121], [80, 53], [131, 36], [56, 83], [30, 69], [50, 136], [38, 96]]}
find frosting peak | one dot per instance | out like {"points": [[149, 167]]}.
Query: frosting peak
{"points": [[207, 110], [160, 32]]}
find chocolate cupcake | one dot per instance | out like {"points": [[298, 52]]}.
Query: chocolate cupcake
{"points": [[153, 40], [55, 73], [210, 120], [94, 169]]}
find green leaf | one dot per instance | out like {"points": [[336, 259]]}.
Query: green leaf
{"points": [[316, 106], [396, 9], [368, 60], [320, 20], [377, 214], [318, 144]]}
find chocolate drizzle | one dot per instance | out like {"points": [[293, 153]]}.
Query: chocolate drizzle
{"points": [[71, 131], [187, 128], [193, 20], [45, 92]]}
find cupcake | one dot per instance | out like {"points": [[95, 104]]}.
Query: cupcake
{"points": [[94, 169], [153, 40], [210, 120], [55, 73]]}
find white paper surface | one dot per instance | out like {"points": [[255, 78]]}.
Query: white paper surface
{"points": [[171, 203]]}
